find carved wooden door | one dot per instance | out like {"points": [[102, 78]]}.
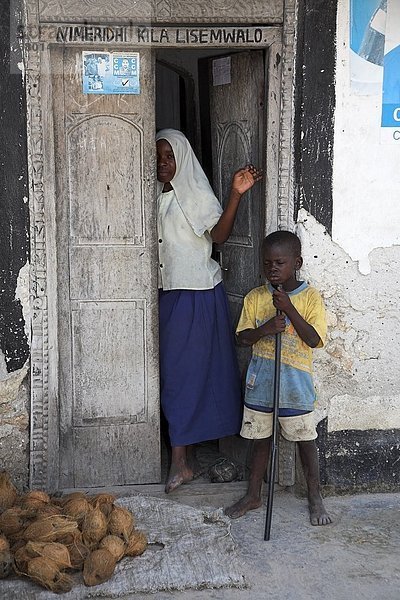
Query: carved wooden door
{"points": [[237, 107], [107, 289]]}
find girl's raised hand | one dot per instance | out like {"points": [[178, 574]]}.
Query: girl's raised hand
{"points": [[245, 178]]}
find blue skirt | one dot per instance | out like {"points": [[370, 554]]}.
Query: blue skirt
{"points": [[200, 382]]}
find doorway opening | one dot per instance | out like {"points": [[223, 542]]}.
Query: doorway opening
{"points": [[217, 98]]}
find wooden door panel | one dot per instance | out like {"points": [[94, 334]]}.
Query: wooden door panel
{"points": [[123, 454], [105, 207], [107, 286], [108, 369], [237, 121], [99, 272], [234, 151]]}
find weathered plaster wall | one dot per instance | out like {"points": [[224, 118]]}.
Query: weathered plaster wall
{"points": [[14, 250], [355, 268], [366, 226], [356, 374], [14, 427], [366, 181]]}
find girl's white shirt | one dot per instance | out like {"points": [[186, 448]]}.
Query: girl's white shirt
{"points": [[186, 216], [184, 258]]}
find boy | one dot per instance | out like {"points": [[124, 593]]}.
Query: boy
{"points": [[303, 327]]}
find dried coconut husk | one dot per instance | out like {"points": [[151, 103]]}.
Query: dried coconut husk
{"points": [[21, 559], [99, 567], [14, 546], [137, 544], [56, 501], [45, 571], [4, 545], [48, 510], [78, 553], [6, 563], [35, 499], [100, 498], [8, 492], [114, 545], [121, 523], [103, 501], [37, 495], [50, 529], [77, 508], [73, 537], [64, 499], [34, 505], [57, 552], [94, 528], [17, 539], [12, 520]]}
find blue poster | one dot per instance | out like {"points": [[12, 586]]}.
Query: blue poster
{"points": [[390, 131], [367, 29], [111, 72], [367, 42]]}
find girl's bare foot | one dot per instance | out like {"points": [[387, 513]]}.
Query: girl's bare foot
{"points": [[241, 507], [180, 471], [178, 475]]}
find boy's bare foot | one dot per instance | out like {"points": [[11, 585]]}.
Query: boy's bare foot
{"points": [[243, 505], [309, 460], [318, 514], [178, 475]]}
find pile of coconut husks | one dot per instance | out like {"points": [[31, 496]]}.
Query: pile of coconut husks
{"points": [[48, 538]]}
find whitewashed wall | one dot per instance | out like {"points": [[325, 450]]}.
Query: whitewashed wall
{"points": [[357, 269], [14, 401]]}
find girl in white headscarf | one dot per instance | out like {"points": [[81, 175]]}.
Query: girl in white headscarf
{"points": [[200, 383]]}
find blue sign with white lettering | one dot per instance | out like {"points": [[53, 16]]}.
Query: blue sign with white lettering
{"points": [[391, 89], [390, 119], [111, 72]]}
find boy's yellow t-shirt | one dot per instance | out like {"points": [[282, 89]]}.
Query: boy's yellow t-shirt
{"points": [[297, 388]]}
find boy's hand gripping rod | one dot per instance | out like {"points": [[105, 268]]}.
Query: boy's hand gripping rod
{"points": [[274, 441]]}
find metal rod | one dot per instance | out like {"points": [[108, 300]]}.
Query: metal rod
{"points": [[274, 440]]}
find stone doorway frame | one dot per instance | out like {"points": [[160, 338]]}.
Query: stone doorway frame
{"points": [[39, 27]]}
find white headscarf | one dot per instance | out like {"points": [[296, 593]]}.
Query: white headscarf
{"points": [[192, 189]]}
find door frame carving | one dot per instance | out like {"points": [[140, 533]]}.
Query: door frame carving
{"points": [[44, 439]]}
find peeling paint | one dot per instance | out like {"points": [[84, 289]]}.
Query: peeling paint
{"points": [[9, 386], [361, 356], [22, 294], [3, 366], [14, 423], [21, 67]]}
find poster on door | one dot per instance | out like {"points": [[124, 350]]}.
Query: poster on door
{"points": [[390, 124], [367, 41], [110, 72]]}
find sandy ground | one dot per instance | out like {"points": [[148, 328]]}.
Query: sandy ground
{"points": [[355, 558]]}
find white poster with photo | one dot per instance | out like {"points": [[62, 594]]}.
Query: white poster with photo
{"points": [[111, 72], [221, 70], [390, 124]]}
